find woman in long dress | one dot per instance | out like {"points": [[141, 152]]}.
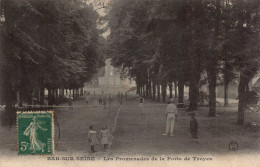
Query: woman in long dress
{"points": [[35, 144]]}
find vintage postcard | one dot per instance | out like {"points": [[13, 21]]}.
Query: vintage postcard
{"points": [[130, 83]]}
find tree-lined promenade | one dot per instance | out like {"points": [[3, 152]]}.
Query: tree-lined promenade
{"points": [[47, 44], [173, 42], [56, 45]]}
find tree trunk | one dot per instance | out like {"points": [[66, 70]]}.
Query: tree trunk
{"points": [[73, 93], [175, 89], [164, 86], [212, 69], [242, 89], [154, 90], [49, 96], [19, 101], [42, 96], [56, 98], [225, 94], [242, 100], [9, 115], [144, 92], [181, 93], [212, 78], [62, 92], [137, 88], [193, 97], [150, 86], [194, 91], [9, 97], [170, 89], [147, 87], [29, 97], [158, 93]]}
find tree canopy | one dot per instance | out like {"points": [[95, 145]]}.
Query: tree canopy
{"points": [[53, 44], [167, 41]]}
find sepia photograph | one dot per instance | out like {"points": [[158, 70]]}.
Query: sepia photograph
{"points": [[129, 83]]}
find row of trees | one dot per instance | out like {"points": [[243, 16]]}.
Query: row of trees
{"points": [[47, 44], [174, 41]]}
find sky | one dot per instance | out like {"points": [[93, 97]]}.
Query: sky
{"points": [[99, 6]]}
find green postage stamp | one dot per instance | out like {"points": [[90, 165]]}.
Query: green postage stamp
{"points": [[35, 132]]}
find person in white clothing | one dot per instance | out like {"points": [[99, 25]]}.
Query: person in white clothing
{"points": [[171, 116]]}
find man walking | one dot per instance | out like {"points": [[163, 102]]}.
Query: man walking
{"points": [[171, 115]]}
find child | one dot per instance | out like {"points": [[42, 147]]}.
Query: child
{"points": [[92, 138], [104, 137], [194, 127]]}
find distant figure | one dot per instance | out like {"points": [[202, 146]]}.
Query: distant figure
{"points": [[34, 100], [118, 97], [70, 102], [87, 98], [100, 102], [92, 138], [94, 98], [171, 115], [141, 104], [125, 95], [109, 99], [104, 102], [121, 98], [194, 127], [104, 137]]}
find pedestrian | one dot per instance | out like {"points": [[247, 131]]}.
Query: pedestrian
{"points": [[87, 98], [104, 137], [92, 138], [70, 102], [141, 104], [171, 116], [100, 102], [109, 99], [121, 98], [194, 127], [34, 100], [125, 95], [104, 102]]}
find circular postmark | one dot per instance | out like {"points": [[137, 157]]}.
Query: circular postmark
{"points": [[233, 146]]}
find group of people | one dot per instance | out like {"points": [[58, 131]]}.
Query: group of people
{"points": [[171, 117], [94, 138]]}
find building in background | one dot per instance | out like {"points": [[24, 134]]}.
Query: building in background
{"points": [[108, 80]]}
